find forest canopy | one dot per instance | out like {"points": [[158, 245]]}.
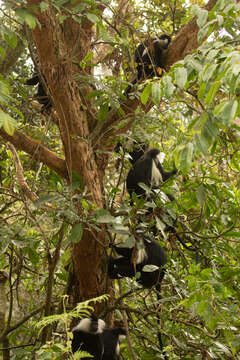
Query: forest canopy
{"points": [[77, 95]]}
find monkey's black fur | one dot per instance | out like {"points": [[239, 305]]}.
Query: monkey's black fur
{"points": [[135, 149], [103, 344], [149, 171], [87, 337], [150, 58], [111, 340], [151, 253], [41, 94]]}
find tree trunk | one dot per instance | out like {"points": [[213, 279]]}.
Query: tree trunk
{"points": [[57, 45]]}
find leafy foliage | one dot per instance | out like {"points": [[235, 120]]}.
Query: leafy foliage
{"points": [[195, 122]]}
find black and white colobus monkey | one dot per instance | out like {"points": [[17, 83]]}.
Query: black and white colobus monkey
{"points": [[150, 58], [41, 94], [134, 149], [102, 343], [149, 171], [111, 342], [150, 253], [87, 337]]}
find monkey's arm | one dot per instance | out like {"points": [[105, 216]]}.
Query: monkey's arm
{"points": [[166, 174], [33, 80], [124, 251]]}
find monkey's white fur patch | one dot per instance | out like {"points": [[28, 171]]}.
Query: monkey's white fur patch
{"points": [[121, 337], [101, 325], [117, 349], [162, 42], [145, 51], [156, 175], [161, 157], [141, 256], [85, 324]]}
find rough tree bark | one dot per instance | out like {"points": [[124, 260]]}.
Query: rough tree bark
{"points": [[57, 47]]}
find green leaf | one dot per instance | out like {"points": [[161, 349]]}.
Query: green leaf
{"points": [[202, 90], [201, 195], [92, 17], [62, 18], [226, 111], [2, 52], [150, 268], [43, 6], [209, 71], [202, 17], [106, 219], [33, 256], [10, 38], [78, 9], [210, 130], [180, 76], [156, 92], [201, 144], [88, 57], [8, 123], [168, 86], [146, 93], [220, 20], [212, 92], [103, 111], [185, 158], [218, 108], [31, 21], [4, 92], [130, 242], [76, 233], [160, 226], [24, 16], [195, 64], [206, 30], [202, 33]]}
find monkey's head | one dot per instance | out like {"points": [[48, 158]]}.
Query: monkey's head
{"points": [[163, 40]]}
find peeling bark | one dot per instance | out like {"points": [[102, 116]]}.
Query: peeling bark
{"points": [[55, 41], [20, 175]]}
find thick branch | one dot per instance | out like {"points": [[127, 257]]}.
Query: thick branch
{"points": [[186, 39], [20, 322], [20, 175], [37, 151], [183, 44]]}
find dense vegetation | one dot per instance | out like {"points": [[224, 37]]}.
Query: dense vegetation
{"points": [[53, 209]]}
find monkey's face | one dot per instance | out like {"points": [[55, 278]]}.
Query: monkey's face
{"points": [[163, 41]]}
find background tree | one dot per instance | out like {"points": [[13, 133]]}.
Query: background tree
{"points": [[190, 114]]}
